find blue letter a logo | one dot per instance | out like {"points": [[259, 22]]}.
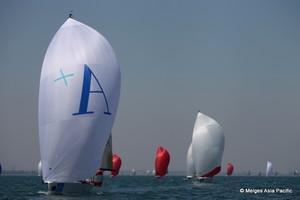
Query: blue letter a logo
{"points": [[85, 94]]}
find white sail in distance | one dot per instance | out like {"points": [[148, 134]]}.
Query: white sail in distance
{"points": [[39, 169], [78, 99], [269, 168]]}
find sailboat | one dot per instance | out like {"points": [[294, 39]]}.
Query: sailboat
{"points": [[229, 169], [147, 172], [0, 169], [40, 168], [207, 147], [249, 173], [295, 173], [133, 172], [78, 99], [259, 174], [190, 166], [162, 161], [117, 162], [269, 169]]}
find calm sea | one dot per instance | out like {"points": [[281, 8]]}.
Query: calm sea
{"points": [[169, 187]]}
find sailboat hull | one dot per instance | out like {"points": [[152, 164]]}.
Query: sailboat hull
{"points": [[190, 177], [205, 179], [69, 188]]}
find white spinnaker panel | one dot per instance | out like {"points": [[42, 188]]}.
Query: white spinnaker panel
{"points": [[190, 166], [269, 168], [78, 99], [208, 144]]}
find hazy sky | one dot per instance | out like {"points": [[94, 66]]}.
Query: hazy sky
{"points": [[235, 61]]}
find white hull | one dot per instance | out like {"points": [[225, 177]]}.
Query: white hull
{"points": [[204, 179], [190, 177], [69, 188]]}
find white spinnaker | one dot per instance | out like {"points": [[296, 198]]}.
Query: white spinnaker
{"points": [[190, 166], [269, 168], [207, 145], [72, 141]]}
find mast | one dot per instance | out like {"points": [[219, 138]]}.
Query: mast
{"points": [[71, 14]]}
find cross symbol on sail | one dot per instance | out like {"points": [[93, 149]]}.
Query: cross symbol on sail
{"points": [[63, 77]]}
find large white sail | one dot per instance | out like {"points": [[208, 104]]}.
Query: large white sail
{"points": [[78, 100], [190, 166], [269, 169], [207, 146]]}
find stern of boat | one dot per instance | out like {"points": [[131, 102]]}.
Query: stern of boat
{"points": [[69, 188]]}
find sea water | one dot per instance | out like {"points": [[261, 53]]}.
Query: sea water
{"points": [[169, 187]]}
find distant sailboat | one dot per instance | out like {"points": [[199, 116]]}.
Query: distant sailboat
{"points": [[207, 147], [229, 169], [78, 99], [0, 169], [133, 172], [147, 172], [117, 162], [40, 168], [295, 172], [249, 173], [269, 169], [259, 174], [190, 166], [162, 161]]}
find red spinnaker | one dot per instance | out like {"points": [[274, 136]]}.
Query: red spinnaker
{"points": [[213, 172], [229, 169], [117, 162], [162, 161]]}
